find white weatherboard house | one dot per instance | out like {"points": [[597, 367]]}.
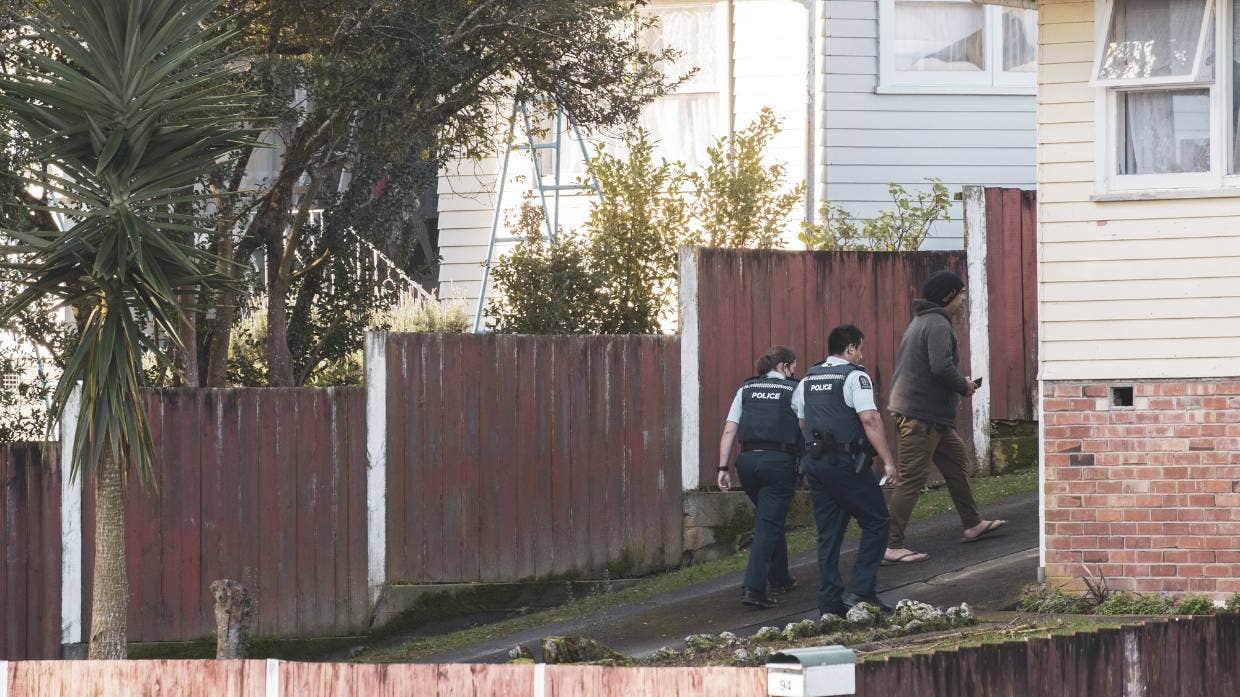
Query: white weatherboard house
{"points": [[1139, 288], [868, 92]]}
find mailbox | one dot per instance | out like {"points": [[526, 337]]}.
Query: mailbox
{"points": [[813, 672]]}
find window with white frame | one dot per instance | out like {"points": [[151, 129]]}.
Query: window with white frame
{"points": [[956, 46], [684, 123], [1168, 107]]}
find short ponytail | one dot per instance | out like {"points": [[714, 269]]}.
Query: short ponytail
{"points": [[773, 357]]}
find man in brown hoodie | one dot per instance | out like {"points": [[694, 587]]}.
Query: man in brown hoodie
{"points": [[925, 394]]}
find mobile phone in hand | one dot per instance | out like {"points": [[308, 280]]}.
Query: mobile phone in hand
{"points": [[977, 382], [883, 481]]}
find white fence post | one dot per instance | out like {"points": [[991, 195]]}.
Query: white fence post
{"points": [[376, 463], [70, 527], [979, 317], [273, 678], [690, 386], [540, 680]]}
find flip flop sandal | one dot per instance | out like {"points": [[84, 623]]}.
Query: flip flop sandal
{"points": [[904, 559], [991, 527]]}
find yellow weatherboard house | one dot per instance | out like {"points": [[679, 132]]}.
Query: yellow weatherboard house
{"points": [[1139, 292]]}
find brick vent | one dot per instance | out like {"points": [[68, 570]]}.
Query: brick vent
{"points": [[1148, 495]]}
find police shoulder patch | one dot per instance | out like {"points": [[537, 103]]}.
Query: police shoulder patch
{"points": [[863, 381]]}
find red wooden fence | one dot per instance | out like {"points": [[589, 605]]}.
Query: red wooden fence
{"points": [[513, 457], [749, 300], [1012, 293], [265, 486], [30, 551]]}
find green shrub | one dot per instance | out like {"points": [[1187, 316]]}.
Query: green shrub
{"points": [[739, 200], [1121, 603], [901, 230], [415, 312], [1040, 599], [542, 287], [1233, 604], [633, 232], [1195, 604]]}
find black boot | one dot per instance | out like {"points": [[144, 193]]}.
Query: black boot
{"points": [[851, 599], [784, 587], [756, 599]]}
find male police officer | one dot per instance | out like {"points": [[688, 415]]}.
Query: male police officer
{"points": [[770, 437], [835, 402]]}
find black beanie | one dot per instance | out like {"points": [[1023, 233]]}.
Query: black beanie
{"points": [[942, 287]]}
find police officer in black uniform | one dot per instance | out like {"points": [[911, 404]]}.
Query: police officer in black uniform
{"points": [[762, 416], [843, 430]]}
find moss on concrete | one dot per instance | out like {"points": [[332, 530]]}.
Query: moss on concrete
{"points": [[1013, 445], [740, 522], [295, 649]]}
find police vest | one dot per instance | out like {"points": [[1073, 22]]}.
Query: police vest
{"points": [[767, 418], [825, 408]]}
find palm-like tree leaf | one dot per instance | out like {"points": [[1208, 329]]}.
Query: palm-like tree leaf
{"points": [[126, 124]]}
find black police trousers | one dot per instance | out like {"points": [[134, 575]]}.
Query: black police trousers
{"points": [[838, 494], [769, 478]]}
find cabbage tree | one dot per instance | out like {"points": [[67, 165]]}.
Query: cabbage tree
{"points": [[126, 113]]}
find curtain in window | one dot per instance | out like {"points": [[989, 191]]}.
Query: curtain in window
{"points": [[940, 36], [1235, 93], [1152, 38], [1165, 131], [1020, 40], [683, 124]]}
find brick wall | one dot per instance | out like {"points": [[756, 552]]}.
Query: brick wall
{"points": [[1147, 494]]}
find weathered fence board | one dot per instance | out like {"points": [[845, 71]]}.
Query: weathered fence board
{"points": [[30, 551], [265, 486], [138, 679], [1179, 656], [1012, 293], [514, 457], [749, 300]]}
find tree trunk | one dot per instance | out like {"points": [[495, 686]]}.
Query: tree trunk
{"points": [[187, 355], [220, 328], [234, 618], [279, 357], [109, 619]]}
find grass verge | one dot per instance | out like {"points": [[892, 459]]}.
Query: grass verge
{"points": [[986, 490]]}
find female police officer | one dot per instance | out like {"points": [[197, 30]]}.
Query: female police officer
{"points": [[770, 436]]}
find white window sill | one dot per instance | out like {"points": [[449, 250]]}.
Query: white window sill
{"points": [[897, 88], [1165, 194]]}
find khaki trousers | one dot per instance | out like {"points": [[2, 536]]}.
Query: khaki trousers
{"points": [[921, 444]]}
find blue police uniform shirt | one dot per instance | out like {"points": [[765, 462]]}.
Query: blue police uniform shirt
{"points": [[858, 390], [734, 413]]}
